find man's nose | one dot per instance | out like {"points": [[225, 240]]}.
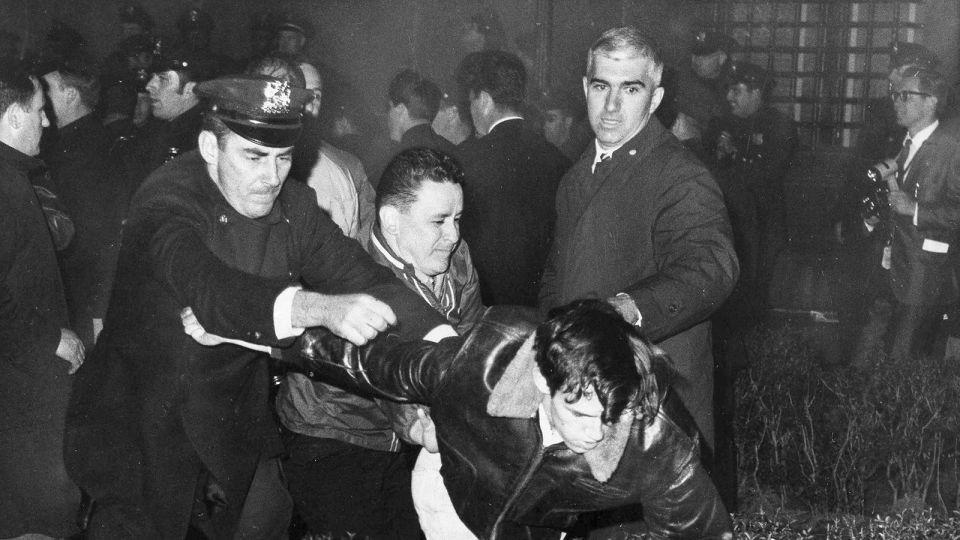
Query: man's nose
{"points": [[274, 173], [613, 101], [451, 231]]}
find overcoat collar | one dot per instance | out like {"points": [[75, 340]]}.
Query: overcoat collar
{"points": [[636, 149], [17, 158]]}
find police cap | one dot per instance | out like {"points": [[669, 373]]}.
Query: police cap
{"points": [[263, 110], [198, 64], [295, 24], [708, 42], [752, 75]]}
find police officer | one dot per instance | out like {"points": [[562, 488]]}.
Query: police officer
{"points": [[175, 108], [750, 148], [167, 433], [291, 36], [710, 60]]}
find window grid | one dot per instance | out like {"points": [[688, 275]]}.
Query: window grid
{"points": [[829, 57]]}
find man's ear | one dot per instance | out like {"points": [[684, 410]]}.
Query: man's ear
{"points": [[209, 147], [586, 84], [539, 380], [14, 115], [656, 98], [389, 220], [486, 101]]}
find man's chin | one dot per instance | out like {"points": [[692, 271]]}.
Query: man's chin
{"points": [[580, 448]]}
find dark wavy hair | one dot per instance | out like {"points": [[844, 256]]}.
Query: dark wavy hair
{"points": [[401, 180], [587, 345]]}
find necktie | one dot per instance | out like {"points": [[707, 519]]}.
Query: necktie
{"points": [[602, 164], [902, 160]]}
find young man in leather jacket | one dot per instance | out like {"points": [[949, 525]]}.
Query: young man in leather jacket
{"points": [[539, 424]]}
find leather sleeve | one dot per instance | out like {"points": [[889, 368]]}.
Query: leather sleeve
{"points": [[404, 371], [678, 497], [687, 507]]}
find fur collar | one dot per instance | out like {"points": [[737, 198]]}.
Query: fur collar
{"points": [[516, 396]]}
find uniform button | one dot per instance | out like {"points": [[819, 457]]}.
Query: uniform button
{"points": [[632, 152], [223, 218], [257, 335], [673, 308]]}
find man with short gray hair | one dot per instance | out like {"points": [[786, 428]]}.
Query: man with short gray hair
{"points": [[641, 223]]}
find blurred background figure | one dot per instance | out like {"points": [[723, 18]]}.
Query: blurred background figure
{"points": [[453, 121], [483, 32], [412, 104], [263, 27], [291, 35], [134, 21], [564, 125], [89, 182], [510, 181], [194, 27]]}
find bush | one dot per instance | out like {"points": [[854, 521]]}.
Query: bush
{"points": [[835, 439], [910, 524]]}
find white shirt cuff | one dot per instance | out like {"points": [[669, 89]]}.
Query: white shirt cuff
{"points": [[283, 314], [639, 321], [440, 332], [916, 213], [869, 227]]}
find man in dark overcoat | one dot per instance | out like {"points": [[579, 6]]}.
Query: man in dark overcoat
{"points": [[165, 433], [37, 351], [94, 194], [640, 221], [511, 175]]}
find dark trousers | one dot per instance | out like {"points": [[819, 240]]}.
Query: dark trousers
{"points": [[347, 491], [905, 331]]}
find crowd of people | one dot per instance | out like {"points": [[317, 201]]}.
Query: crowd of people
{"points": [[493, 323]]}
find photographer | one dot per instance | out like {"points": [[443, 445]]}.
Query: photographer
{"points": [[921, 227]]}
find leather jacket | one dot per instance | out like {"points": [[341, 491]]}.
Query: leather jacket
{"points": [[503, 482]]}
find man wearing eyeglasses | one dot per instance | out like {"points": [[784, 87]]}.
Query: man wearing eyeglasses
{"points": [[921, 232]]}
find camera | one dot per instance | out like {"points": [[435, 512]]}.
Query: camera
{"points": [[876, 187]]}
